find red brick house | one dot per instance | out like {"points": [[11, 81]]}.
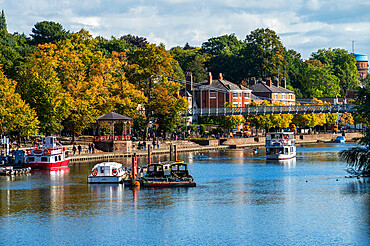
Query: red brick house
{"points": [[214, 93], [272, 91]]}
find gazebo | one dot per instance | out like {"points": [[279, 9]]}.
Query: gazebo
{"points": [[112, 142]]}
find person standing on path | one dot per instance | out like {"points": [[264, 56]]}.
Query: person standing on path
{"points": [[93, 148], [144, 145], [74, 149], [79, 149]]}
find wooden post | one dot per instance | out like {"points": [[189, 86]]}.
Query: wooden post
{"points": [[175, 149], [171, 151], [149, 156]]}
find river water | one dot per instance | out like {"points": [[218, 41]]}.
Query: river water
{"points": [[240, 199]]}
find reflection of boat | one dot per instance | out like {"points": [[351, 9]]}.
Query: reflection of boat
{"points": [[167, 174], [108, 172], [340, 139], [280, 145], [48, 155], [286, 162]]}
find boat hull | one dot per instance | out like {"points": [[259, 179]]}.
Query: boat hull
{"points": [[48, 165], [165, 184], [105, 179], [280, 157]]}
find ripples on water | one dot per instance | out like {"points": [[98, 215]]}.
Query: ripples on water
{"points": [[240, 199]]}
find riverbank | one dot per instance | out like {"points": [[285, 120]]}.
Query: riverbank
{"points": [[207, 145]]}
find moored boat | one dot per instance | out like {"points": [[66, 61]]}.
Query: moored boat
{"points": [[108, 172], [167, 174], [48, 155], [340, 139], [280, 145]]}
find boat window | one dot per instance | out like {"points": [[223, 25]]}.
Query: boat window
{"points": [[174, 167], [101, 169], [44, 159], [52, 158], [31, 159], [182, 168]]}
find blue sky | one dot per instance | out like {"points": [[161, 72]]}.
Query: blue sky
{"points": [[303, 25]]}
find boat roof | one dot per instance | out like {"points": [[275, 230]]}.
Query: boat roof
{"points": [[269, 133], [168, 163], [112, 164]]}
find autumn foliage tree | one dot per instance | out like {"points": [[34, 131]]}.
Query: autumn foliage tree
{"points": [[16, 116]]}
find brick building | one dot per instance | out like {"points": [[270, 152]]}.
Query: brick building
{"points": [[214, 93], [273, 91], [362, 65]]}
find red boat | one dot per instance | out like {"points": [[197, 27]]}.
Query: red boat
{"points": [[48, 155]]}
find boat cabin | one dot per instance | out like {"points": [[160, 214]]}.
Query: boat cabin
{"points": [[179, 169], [107, 169]]}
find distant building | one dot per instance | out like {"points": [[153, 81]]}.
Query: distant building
{"points": [[214, 93], [362, 65], [272, 91]]}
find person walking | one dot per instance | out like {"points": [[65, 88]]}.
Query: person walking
{"points": [[144, 143], [74, 149], [90, 149], [79, 149], [93, 148]]}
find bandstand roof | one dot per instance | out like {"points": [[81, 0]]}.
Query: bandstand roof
{"points": [[112, 116]]}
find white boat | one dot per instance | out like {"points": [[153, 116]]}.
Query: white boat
{"points": [[280, 145], [108, 172]]}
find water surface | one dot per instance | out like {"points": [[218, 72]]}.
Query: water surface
{"points": [[240, 199]]}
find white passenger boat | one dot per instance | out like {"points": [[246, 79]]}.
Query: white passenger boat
{"points": [[280, 146], [108, 172]]}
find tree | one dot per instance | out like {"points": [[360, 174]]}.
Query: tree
{"points": [[42, 89], [48, 32], [137, 42], [113, 44], [343, 65], [150, 68], [218, 45], [3, 25], [191, 60], [229, 122], [15, 115], [264, 53], [359, 157]]}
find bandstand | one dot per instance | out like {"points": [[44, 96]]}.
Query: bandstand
{"points": [[112, 142]]}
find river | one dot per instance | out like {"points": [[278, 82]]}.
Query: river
{"points": [[240, 199]]}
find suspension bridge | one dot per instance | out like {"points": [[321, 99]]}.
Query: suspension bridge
{"points": [[261, 110]]}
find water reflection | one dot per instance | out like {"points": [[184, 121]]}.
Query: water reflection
{"points": [[240, 197], [289, 163]]}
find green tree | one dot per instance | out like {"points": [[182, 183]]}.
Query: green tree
{"points": [[48, 32], [359, 157], [343, 65], [264, 53], [3, 25]]}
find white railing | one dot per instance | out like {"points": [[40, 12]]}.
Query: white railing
{"points": [[297, 109]]}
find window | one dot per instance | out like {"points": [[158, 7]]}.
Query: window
{"points": [[213, 95], [246, 95], [235, 95], [101, 169], [275, 96], [290, 96], [45, 159], [282, 96]]}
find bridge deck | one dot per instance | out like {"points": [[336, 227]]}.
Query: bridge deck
{"points": [[297, 109]]}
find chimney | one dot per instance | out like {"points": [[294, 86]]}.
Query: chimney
{"points": [[209, 78], [283, 83], [189, 81], [276, 82], [252, 81], [220, 76], [268, 81]]}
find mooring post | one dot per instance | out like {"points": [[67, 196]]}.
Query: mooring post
{"points": [[175, 149], [171, 151], [149, 155]]}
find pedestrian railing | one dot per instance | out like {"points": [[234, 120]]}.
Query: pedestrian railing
{"points": [[296, 109]]}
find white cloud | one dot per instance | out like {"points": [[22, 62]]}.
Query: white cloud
{"points": [[302, 25]]}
